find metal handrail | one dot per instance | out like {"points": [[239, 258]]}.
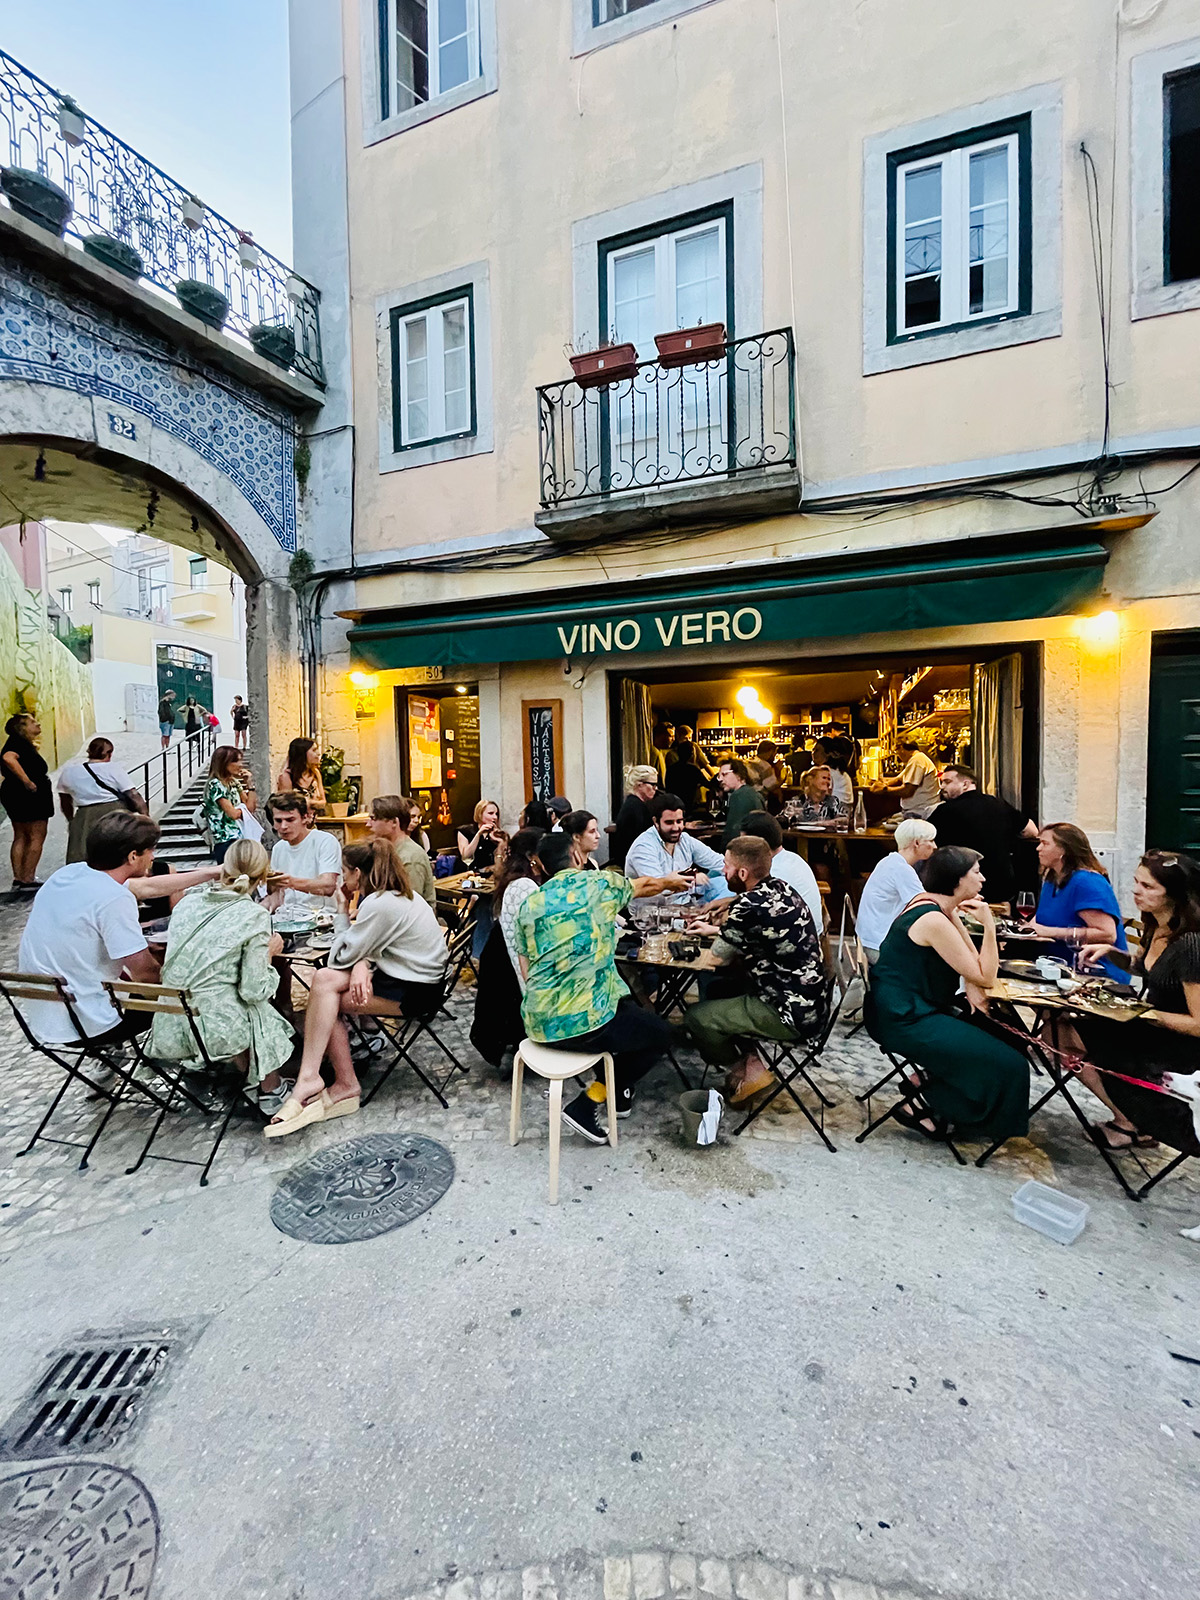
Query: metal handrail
{"points": [[733, 413], [118, 192], [194, 752]]}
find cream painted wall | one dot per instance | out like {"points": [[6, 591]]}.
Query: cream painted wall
{"points": [[504, 179]]}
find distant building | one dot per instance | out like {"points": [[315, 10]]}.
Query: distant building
{"points": [[160, 618]]}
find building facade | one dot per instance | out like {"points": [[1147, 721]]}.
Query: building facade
{"points": [[886, 403], [160, 617]]}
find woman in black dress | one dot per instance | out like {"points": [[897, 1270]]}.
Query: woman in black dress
{"points": [[194, 716], [1166, 892], [26, 795]]}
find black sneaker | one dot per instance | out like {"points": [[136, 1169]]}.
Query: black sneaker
{"points": [[583, 1115], [625, 1099]]}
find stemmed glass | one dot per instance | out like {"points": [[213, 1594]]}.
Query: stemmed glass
{"points": [[1026, 906]]}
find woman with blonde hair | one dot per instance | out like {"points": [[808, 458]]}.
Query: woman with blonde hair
{"points": [[389, 961], [477, 849], [220, 948]]}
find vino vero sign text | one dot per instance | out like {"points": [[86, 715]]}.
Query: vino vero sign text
{"points": [[657, 632]]}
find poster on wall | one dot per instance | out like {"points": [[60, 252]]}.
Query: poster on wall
{"points": [[424, 742]]}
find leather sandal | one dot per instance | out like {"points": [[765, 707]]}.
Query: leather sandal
{"points": [[292, 1116], [339, 1108]]}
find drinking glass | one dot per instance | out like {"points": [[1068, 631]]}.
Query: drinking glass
{"points": [[1026, 906]]}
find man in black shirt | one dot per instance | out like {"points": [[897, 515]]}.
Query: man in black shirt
{"points": [[983, 822], [166, 717], [634, 816]]}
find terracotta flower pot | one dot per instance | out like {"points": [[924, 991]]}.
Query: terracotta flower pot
{"points": [[686, 345], [609, 364]]}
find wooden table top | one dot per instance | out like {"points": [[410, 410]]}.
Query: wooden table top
{"points": [[1020, 991], [456, 884]]}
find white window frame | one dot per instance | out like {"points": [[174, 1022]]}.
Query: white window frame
{"points": [[955, 167], [65, 600], [665, 285], [94, 592], [1152, 295], [433, 318], [375, 125], [588, 34], [197, 574], [433, 12], [1043, 105]]}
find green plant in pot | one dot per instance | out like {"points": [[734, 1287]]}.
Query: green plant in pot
{"points": [[275, 341], [203, 301], [337, 791], [34, 197], [115, 253]]}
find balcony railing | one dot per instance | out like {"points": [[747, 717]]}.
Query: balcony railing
{"points": [[116, 191], [732, 415]]}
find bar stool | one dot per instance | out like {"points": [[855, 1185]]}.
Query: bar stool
{"points": [[557, 1065]]}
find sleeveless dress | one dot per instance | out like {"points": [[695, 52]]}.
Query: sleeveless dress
{"points": [[974, 1080]]}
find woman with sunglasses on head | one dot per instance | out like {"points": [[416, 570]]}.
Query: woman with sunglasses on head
{"points": [[1166, 892]]}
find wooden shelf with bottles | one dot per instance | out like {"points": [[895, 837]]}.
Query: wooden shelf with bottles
{"points": [[948, 715]]}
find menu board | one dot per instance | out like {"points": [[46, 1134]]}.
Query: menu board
{"points": [[424, 742], [466, 746], [540, 751]]}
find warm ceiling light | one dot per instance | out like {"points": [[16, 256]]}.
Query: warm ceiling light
{"points": [[762, 716], [460, 688], [746, 697], [364, 680]]}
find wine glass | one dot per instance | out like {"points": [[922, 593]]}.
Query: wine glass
{"points": [[1025, 906]]}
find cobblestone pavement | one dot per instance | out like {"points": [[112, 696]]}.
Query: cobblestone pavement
{"points": [[43, 1193], [657, 1575]]}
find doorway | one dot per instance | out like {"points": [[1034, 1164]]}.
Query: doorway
{"points": [[188, 672], [438, 728], [1173, 775]]}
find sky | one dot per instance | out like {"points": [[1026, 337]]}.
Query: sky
{"points": [[199, 89]]}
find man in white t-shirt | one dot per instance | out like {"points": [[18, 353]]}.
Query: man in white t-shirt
{"points": [[917, 784], [786, 865], [309, 861], [84, 929]]}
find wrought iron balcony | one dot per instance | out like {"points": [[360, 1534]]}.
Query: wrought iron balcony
{"points": [[679, 439], [116, 192]]}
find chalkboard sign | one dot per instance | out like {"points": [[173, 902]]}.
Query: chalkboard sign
{"points": [[543, 748]]}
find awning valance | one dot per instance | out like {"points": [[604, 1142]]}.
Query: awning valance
{"points": [[882, 592]]}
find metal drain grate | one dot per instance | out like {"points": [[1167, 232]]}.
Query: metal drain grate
{"points": [[90, 1396]]}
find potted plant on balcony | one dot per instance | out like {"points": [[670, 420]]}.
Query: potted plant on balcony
{"points": [[193, 211], [203, 301], [705, 342], [34, 197], [115, 253], [608, 363], [274, 341], [248, 252], [72, 124]]}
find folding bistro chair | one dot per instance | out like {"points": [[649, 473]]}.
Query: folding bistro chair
{"points": [[160, 1000], [70, 1059], [404, 1033], [782, 1059], [849, 960]]}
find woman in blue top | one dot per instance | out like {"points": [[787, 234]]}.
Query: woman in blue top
{"points": [[1077, 905]]}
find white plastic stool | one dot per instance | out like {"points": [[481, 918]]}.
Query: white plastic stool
{"points": [[557, 1065]]}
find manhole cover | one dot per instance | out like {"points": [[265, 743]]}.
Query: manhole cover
{"points": [[363, 1188], [88, 1397], [75, 1531]]}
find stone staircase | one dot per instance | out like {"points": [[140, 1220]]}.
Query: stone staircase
{"points": [[180, 845]]}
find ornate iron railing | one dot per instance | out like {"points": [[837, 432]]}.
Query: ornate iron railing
{"points": [[168, 773], [117, 192], [713, 419]]}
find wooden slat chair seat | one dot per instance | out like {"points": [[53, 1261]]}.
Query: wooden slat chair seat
{"points": [[70, 1059], [224, 1097]]}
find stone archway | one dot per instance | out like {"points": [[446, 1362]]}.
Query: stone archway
{"points": [[107, 419]]}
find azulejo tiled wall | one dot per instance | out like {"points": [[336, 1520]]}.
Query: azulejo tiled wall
{"points": [[47, 337]]}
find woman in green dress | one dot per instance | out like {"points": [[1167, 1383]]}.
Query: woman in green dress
{"points": [[972, 1080]]}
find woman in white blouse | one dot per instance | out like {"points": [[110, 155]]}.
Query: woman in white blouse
{"points": [[893, 883], [89, 790]]}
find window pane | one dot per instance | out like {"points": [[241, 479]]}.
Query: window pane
{"points": [[412, 54], [699, 279], [455, 44], [454, 362], [1182, 198], [633, 298], [606, 10], [922, 246], [988, 231], [416, 379]]}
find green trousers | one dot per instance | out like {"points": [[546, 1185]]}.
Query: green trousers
{"points": [[722, 1029]]}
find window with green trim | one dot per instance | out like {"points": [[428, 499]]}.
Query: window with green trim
{"points": [[433, 370], [960, 246]]}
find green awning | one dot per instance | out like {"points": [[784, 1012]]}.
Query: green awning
{"points": [[788, 602]]}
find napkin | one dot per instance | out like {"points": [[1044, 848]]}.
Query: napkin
{"points": [[710, 1119]]}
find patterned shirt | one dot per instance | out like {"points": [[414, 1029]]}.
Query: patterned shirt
{"points": [[827, 809], [222, 827], [770, 931], [567, 932]]}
